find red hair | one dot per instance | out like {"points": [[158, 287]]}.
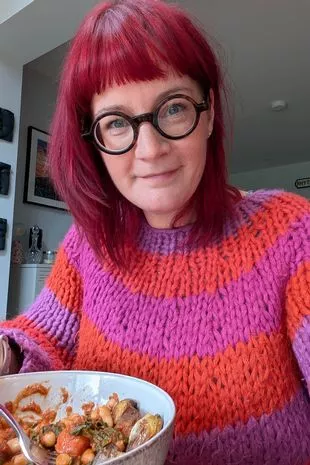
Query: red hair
{"points": [[118, 42]]}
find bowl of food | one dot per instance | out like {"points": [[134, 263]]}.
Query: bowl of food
{"points": [[88, 417]]}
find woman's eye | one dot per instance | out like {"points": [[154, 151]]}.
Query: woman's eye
{"points": [[117, 124], [174, 109]]}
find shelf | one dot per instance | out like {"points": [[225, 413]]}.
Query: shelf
{"points": [[33, 265]]}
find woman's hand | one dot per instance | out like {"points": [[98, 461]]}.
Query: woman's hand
{"points": [[8, 359]]}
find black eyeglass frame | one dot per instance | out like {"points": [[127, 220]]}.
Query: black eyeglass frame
{"points": [[136, 121]]}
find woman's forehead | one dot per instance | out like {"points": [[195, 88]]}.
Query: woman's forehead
{"points": [[144, 91]]}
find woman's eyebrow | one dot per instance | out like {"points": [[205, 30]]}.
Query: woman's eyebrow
{"points": [[159, 98], [173, 90], [109, 108]]}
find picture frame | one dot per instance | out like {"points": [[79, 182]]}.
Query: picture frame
{"points": [[38, 189]]}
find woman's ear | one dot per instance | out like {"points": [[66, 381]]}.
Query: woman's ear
{"points": [[211, 113]]}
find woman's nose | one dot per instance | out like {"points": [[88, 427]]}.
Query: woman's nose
{"points": [[150, 144]]}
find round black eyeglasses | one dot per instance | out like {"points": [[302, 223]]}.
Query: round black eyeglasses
{"points": [[116, 133]]}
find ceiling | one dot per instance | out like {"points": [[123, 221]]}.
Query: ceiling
{"points": [[265, 50]]}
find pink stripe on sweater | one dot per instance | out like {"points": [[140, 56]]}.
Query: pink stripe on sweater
{"points": [[56, 321]]}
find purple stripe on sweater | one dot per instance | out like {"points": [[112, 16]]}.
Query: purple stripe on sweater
{"points": [[175, 240], [172, 328], [281, 438], [56, 321], [34, 358], [301, 346]]}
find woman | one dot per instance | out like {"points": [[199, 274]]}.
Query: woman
{"points": [[169, 273]]}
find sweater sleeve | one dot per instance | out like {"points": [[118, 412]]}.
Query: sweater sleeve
{"points": [[46, 332], [298, 291]]}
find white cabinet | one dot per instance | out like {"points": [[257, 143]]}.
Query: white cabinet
{"points": [[26, 282]]}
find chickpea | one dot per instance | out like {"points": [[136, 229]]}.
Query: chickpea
{"points": [[73, 420], [76, 419], [3, 425], [63, 459], [120, 445], [19, 459], [106, 416], [14, 446], [87, 456], [95, 414], [48, 439], [66, 422], [113, 400]]}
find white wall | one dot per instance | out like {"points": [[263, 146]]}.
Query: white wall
{"points": [[10, 98], [280, 176], [38, 101], [8, 9]]}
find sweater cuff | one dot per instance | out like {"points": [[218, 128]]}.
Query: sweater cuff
{"points": [[33, 358]]}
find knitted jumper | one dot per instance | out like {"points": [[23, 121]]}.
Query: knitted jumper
{"points": [[223, 328]]}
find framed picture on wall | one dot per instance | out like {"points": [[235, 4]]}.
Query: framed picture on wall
{"points": [[38, 188]]}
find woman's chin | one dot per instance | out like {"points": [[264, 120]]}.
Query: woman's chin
{"points": [[158, 217]]}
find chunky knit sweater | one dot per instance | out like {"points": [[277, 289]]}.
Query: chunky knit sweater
{"points": [[224, 328]]}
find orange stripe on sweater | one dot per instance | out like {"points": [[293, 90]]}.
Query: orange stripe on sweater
{"points": [[60, 359], [232, 257], [254, 379], [65, 282], [298, 298]]}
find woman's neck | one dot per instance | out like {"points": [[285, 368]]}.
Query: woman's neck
{"points": [[167, 220]]}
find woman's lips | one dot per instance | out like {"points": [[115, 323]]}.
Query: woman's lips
{"points": [[160, 177]]}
